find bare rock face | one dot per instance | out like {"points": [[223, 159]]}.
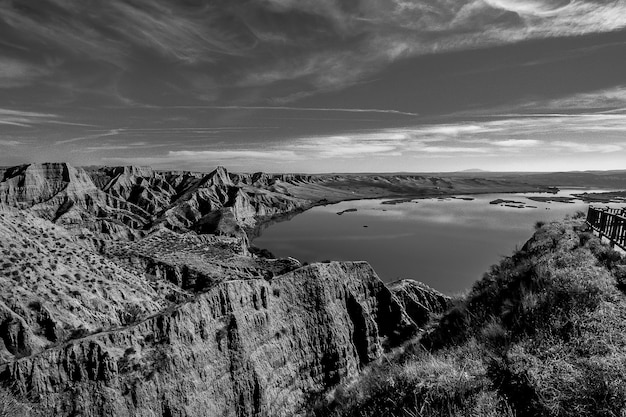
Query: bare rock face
{"points": [[127, 202], [66, 195], [27, 185], [419, 300], [244, 348], [140, 186]]}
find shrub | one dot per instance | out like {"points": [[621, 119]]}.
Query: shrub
{"points": [[132, 313], [79, 333], [11, 406]]}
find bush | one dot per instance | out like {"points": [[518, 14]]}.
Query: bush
{"points": [[132, 314], [10, 406]]}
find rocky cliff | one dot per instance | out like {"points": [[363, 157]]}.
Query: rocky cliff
{"points": [[419, 300], [127, 202], [243, 348]]}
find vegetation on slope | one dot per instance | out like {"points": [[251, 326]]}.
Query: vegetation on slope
{"points": [[13, 406], [541, 334]]}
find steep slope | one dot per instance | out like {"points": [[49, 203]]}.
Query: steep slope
{"points": [[541, 334], [419, 301], [66, 195], [54, 289], [140, 186], [243, 348], [216, 204]]}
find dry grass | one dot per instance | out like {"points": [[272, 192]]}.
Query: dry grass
{"points": [[542, 334], [11, 406], [52, 285]]}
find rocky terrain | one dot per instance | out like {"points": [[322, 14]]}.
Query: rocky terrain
{"points": [[131, 292]]}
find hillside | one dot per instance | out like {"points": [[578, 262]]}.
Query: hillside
{"points": [[130, 292], [541, 334]]}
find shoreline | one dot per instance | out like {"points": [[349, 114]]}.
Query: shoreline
{"points": [[264, 222]]}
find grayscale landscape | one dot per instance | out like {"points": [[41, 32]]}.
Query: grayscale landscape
{"points": [[373, 208]]}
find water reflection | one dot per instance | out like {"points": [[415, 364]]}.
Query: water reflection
{"points": [[446, 243]]}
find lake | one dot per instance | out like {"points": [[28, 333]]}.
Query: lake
{"points": [[446, 243]]}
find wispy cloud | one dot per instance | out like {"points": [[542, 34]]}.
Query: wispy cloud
{"points": [[7, 142], [613, 98], [323, 45], [303, 109], [17, 73], [111, 132], [24, 118]]}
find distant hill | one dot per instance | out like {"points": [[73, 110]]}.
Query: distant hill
{"points": [[474, 170]]}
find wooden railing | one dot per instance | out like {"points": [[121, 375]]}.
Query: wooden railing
{"points": [[609, 223]]}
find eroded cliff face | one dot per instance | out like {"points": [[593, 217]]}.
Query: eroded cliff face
{"points": [[419, 300], [127, 202], [244, 348]]}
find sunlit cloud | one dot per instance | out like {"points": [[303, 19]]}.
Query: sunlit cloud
{"points": [[517, 143], [587, 147]]}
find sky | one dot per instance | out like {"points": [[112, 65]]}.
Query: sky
{"points": [[315, 85]]}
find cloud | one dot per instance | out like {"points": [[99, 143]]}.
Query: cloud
{"points": [[517, 143], [24, 118], [233, 154], [16, 73], [322, 45], [510, 142], [142, 146], [203, 158], [613, 98], [111, 132], [586, 147], [303, 109], [508, 136]]}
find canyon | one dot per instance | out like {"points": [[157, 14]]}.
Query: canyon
{"points": [[133, 292]]}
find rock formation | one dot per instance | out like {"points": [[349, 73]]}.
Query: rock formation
{"points": [[132, 292], [419, 300], [243, 348]]}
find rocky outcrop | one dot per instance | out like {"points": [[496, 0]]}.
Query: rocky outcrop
{"points": [[419, 300], [125, 202], [195, 262], [244, 348], [66, 195]]}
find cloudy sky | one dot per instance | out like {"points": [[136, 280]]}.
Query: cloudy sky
{"points": [[315, 85]]}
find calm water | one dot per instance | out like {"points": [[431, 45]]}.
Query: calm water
{"points": [[447, 244]]}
